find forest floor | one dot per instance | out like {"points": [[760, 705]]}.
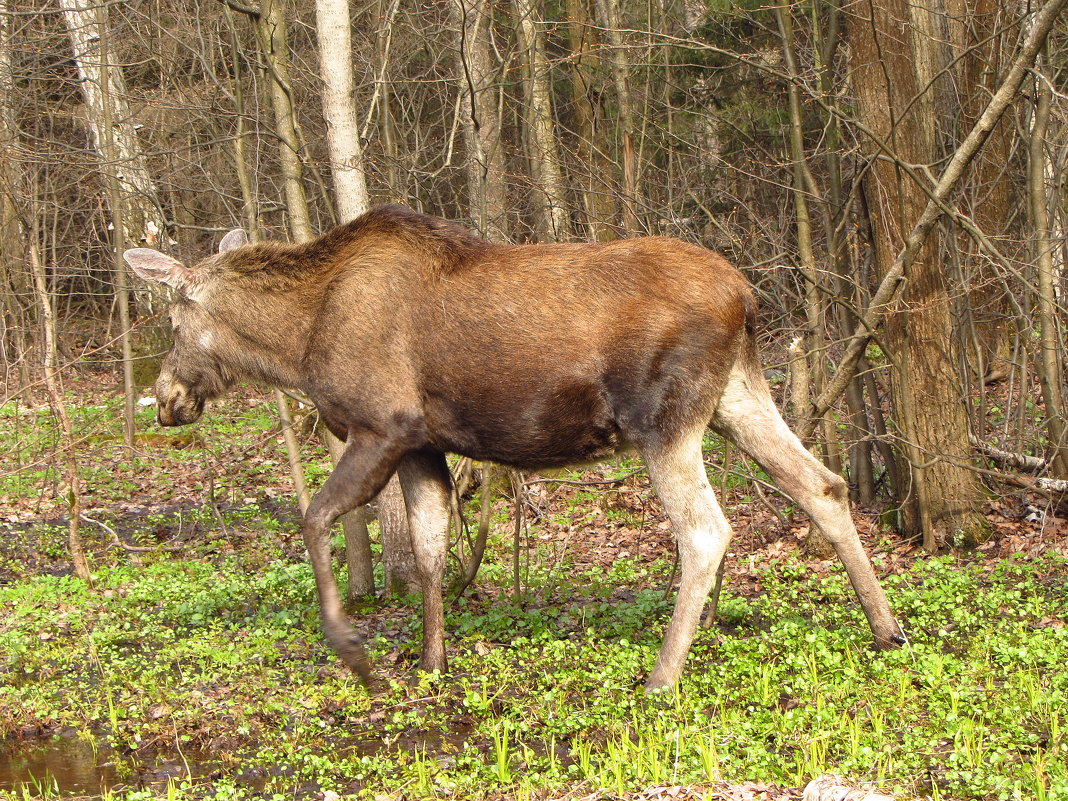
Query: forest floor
{"points": [[194, 668]]}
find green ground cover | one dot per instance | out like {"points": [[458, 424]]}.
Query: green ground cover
{"points": [[200, 672]]}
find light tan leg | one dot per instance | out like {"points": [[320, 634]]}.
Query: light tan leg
{"points": [[748, 416], [678, 474], [426, 484]]}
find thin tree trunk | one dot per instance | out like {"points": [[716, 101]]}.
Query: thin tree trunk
{"points": [[55, 394], [339, 108], [145, 223], [271, 32], [16, 283], [350, 197], [479, 84], [118, 231], [252, 226], [608, 12], [588, 111], [553, 222], [977, 35]]}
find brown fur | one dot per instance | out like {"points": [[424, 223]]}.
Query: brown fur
{"points": [[416, 338]]}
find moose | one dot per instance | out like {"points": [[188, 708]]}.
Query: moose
{"points": [[416, 338]]}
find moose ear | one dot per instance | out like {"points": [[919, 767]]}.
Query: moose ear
{"points": [[235, 239], [155, 266]]}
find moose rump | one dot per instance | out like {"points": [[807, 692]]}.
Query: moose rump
{"points": [[415, 339]]}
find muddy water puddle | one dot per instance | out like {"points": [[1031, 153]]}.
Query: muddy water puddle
{"points": [[68, 764], [71, 765]]}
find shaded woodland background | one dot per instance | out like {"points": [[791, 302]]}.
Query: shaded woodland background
{"points": [[803, 141]]}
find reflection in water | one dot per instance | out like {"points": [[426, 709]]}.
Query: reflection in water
{"points": [[64, 763]]}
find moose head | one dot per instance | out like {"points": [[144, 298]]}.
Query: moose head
{"points": [[195, 370]]}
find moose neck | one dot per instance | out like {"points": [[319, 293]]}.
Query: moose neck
{"points": [[263, 332]]}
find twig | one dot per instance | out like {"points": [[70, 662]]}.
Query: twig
{"points": [[570, 483], [118, 541], [1032, 464]]}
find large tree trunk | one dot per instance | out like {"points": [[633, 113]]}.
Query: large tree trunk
{"points": [[944, 499]]}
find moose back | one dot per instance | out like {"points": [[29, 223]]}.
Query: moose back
{"points": [[416, 338]]}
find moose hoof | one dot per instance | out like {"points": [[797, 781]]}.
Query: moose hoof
{"points": [[356, 659], [658, 683], [349, 648], [891, 642]]}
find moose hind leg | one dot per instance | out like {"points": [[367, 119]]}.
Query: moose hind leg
{"points": [[747, 415], [427, 484], [702, 532]]}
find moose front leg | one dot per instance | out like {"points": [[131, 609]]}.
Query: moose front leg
{"points": [[360, 474]]}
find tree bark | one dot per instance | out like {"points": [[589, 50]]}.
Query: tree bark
{"points": [[890, 285], [1051, 354], [553, 223], [979, 45], [479, 81], [15, 281], [609, 18], [588, 109], [339, 108], [122, 160], [145, 224], [930, 411]]}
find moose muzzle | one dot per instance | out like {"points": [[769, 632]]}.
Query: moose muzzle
{"points": [[178, 406]]}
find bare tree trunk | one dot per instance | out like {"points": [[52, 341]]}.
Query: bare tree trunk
{"points": [[350, 197], [553, 222], [144, 220], [809, 352], [977, 35], [271, 31], [608, 13], [133, 197], [59, 408], [15, 283], [398, 562], [479, 81], [1051, 356], [339, 108], [118, 229], [926, 384], [597, 201], [891, 282]]}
